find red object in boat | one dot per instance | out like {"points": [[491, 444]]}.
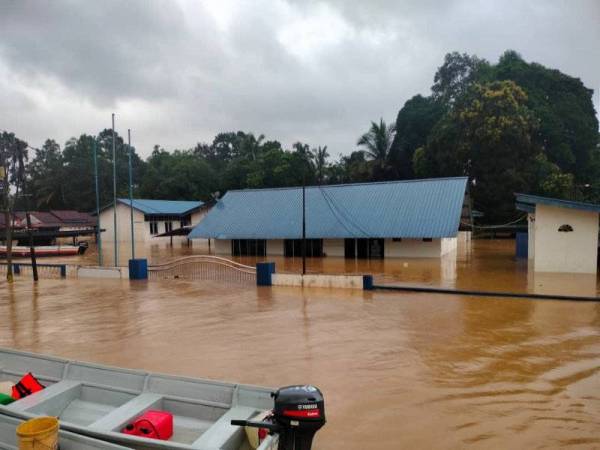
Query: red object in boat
{"points": [[26, 386], [152, 424]]}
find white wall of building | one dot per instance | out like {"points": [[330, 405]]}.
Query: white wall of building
{"points": [[333, 247], [530, 236], [575, 251], [275, 247], [222, 247], [141, 227], [448, 245], [123, 224], [407, 248], [413, 248]]}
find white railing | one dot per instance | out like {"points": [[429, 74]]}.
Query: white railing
{"points": [[203, 267]]}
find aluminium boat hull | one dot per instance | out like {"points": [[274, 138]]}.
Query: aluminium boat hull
{"points": [[99, 401]]}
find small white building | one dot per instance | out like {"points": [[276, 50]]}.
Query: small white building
{"points": [[393, 219], [151, 218], [562, 234]]}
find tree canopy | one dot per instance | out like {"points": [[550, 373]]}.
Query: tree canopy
{"points": [[510, 126]]}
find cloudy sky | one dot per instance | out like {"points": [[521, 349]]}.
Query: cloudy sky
{"points": [[178, 72]]}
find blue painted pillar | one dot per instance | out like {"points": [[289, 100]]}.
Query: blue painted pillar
{"points": [[367, 282], [521, 242], [264, 272], [138, 269]]}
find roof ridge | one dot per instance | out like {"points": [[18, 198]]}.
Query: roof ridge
{"points": [[363, 183]]}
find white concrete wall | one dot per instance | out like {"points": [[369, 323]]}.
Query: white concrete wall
{"points": [[556, 251], [141, 227], [448, 245], [123, 225], [413, 248], [530, 236], [333, 247], [275, 247], [320, 281], [222, 247]]}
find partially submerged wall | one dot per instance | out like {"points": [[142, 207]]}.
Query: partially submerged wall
{"points": [[573, 250]]}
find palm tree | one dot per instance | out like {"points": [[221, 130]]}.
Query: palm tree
{"points": [[320, 156], [378, 141], [13, 153]]}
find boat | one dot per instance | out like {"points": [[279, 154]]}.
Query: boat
{"points": [[66, 439], [100, 401], [23, 251]]}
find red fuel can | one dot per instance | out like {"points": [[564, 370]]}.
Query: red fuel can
{"points": [[152, 424]]}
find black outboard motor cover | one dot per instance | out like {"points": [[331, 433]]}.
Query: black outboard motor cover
{"points": [[300, 410], [298, 413]]}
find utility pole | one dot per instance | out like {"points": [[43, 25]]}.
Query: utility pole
{"points": [[98, 228], [131, 194], [303, 226], [31, 246], [114, 152]]}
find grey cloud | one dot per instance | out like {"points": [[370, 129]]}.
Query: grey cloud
{"points": [[176, 76]]}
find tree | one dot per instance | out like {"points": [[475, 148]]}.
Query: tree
{"points": [[454, 78], [320, 156], [568, 123], [490, 136], [13, 155], [180, 175], [45, 178], [414, 123], [377, 143]]}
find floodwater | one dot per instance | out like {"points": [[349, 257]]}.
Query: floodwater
{"points": [[486, 265], [398, 370]]}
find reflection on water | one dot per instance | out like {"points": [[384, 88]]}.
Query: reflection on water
{"points": [[398, 370], [487, 265]]}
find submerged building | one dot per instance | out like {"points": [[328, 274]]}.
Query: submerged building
{"points": [[151, 218], [562, 234], [414, 218]]}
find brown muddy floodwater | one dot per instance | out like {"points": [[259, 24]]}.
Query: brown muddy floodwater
{"points": [[398, 370]]}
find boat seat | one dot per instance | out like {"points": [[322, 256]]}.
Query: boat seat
{"points": [[222, 435], [133, 408], [48, 394]]}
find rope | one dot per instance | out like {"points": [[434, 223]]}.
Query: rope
{"points": [[485, 227]]}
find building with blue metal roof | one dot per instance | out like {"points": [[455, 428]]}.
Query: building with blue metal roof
{"points": [[382, 219], [151, 218], [562, 234]]}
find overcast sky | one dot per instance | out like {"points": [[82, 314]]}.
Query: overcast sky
{"points": [[179, 72]]}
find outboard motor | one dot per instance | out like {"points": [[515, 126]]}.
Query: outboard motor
{"points": [[298, 413]]}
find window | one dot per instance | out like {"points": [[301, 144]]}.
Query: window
{"points": [[168, 227], [427, 240], [397, 240], [293, 247], [248, 247], [153, 227], [364, 248]]}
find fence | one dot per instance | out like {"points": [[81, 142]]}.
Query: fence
{"points": [[44, 270], [203, 267]]}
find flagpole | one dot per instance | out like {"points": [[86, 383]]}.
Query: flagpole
{"points": [[114, 151], [98, 228], [131, 194]]}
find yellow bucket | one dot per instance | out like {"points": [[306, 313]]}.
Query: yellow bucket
{"points": [[40, 433]]}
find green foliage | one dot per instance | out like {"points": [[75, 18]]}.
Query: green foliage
{"points": [[414, 123], [488, 136], [510, 126]]}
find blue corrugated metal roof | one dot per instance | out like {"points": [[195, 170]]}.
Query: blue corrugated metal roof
{"points": [[162, 207], [532, 200], [406, 209]]}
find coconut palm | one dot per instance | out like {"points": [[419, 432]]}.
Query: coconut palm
{"points": [[377, 142], [320, 156]]}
